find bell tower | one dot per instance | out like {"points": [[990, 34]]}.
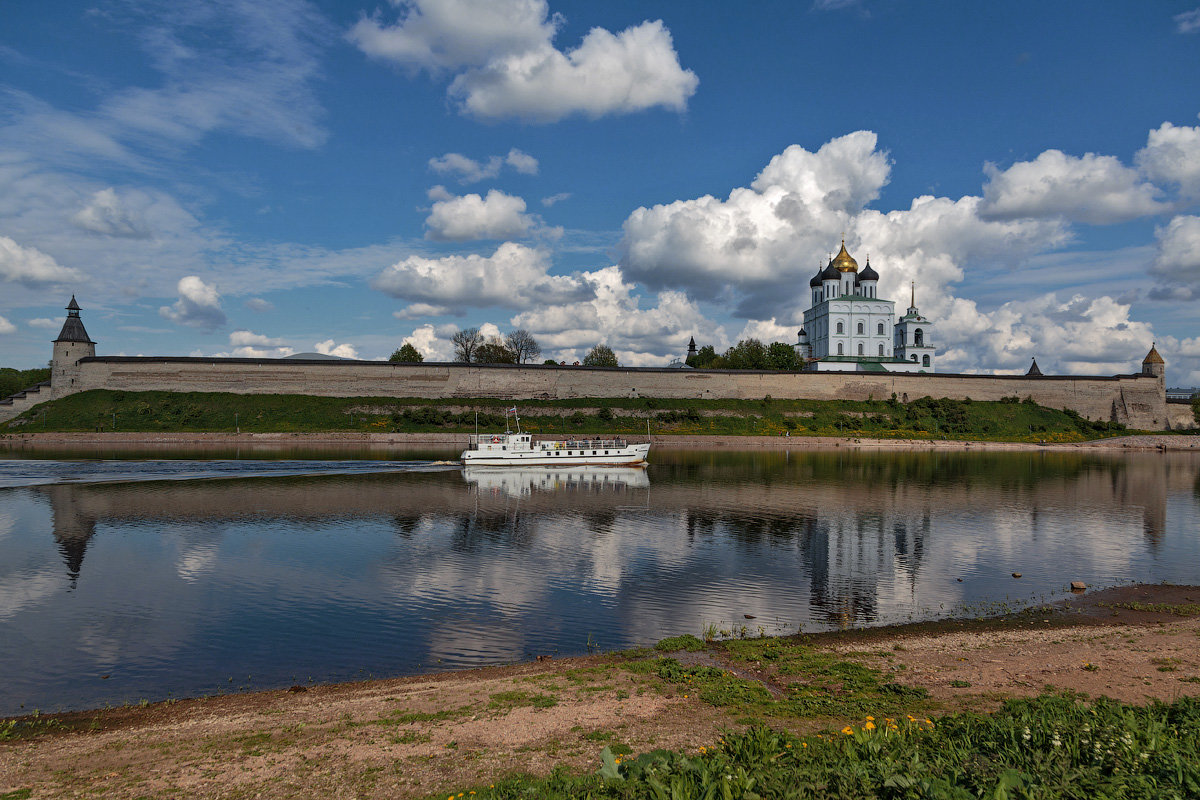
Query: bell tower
{"points": [[71, 345]]}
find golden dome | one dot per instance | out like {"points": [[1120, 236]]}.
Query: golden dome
{"points": [[843, 261]]}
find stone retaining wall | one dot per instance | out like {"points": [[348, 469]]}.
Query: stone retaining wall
{"points": [[1138, 401]]}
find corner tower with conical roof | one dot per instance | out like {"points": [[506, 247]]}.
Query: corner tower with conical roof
{"points": [[72, 344], [1154, 365]]}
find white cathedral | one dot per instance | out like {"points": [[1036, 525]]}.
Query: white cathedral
{"points": [[849, 329]]}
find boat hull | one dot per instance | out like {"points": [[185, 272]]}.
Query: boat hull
{"points": [[632, 454]]}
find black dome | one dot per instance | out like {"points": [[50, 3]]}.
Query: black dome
{"points": [[868, 274]]}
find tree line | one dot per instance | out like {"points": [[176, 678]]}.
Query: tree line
{"points": [[748, 354], [516, 347]]}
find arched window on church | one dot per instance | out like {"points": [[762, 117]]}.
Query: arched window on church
{"points": [[860, 348], [839, 328], [919, 338], [914, 358], [881, 349], [925, 360], [841, 353], [860, 329], [880, 329]]}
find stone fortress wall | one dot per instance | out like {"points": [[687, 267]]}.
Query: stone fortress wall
{"points": [[1137, 400]]}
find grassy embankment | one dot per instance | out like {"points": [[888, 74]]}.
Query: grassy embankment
{"points": [[1008, 420], [1055, 746]]}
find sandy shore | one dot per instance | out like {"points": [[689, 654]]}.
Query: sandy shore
{"points": [[411, 737], [1143, 442]]}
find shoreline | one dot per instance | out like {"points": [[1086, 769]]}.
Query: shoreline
{"points": [[446, 732], [1138, 442]]}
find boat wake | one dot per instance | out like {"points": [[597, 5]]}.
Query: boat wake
{"points": [[17, 473]]}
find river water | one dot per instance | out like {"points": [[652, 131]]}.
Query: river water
{"points": [[168, 574]]}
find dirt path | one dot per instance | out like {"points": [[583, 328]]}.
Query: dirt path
{"points": [[414, 736]]}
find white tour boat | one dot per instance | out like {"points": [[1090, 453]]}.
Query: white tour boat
{"points": [[519, 449]]}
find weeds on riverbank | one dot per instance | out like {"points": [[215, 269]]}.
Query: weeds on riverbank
{"points": [[1007, 420], [1055, 746]]}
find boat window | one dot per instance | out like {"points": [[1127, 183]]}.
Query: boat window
{"points": [[605, 452]]}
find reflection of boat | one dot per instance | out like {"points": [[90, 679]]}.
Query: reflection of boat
{"points": [[519, 449], [521, 482]]}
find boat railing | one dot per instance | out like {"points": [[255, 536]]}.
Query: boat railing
{"points": [[582, 444], [553, 444]]}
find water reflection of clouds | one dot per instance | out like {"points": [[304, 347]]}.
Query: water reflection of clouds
{"points": [[25, 588], [394, 571]]}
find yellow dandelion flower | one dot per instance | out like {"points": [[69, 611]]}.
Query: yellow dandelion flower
{"points": [[870, 726], [788, 745], [928, 722], [804, 744], [847, 730], [870, 719]]}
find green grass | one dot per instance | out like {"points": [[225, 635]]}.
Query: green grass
{"points": [[1178, 609], [685, 642], [809, 683], [1055, 746], [518, 698], [101, 410]]}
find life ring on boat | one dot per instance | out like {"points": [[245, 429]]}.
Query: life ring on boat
{"points": [[495, 440]]}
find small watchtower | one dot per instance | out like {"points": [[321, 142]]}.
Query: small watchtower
{"points": [[1154, 365], [71, 345]]}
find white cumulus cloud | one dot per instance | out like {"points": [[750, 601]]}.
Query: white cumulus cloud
{"points": [[494, 216], [198, 306], [419, 310], [1095, 189], [506, 64], [30, 266], [6, 326], [614, 316], [45, 323], [329, 348], [515, 276], [468, 170], [1177, 262], [430, 343], [245, 338], [449, 34], [1172, 156], [608, 73]]}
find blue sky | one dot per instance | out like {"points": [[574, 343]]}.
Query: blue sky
{"points": [[264, 177]]}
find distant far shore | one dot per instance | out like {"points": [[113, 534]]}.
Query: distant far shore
{"points": [[1145, 442]]}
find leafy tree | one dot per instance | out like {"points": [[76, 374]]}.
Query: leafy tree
{"points": [[706, 358], [466, 342], [1196, 407], [782, 356], [14, 380], [493, 351], [747, 354], [407, 354], [550, 362], [601, 356], [523, 345]]}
